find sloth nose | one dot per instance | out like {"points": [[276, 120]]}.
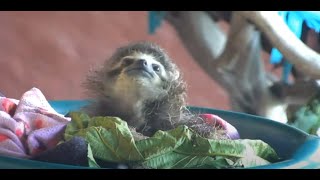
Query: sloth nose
{"points": [[142, 62]]}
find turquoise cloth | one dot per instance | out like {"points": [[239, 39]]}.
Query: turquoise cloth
{"points": [[155, 18], [295, 20]]}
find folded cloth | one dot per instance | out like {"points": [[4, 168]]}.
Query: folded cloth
{"points": [[30, 125]]}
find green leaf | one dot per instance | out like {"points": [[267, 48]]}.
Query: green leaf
{"points": [[250, 161], [111, 140], [77, 126], [91, 160], [112, 145], [182, 148], [109, 137], [307, 117], [306, 120], [260, 149], [162, 142], [174, 160]]}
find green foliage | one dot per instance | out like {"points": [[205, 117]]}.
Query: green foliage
{"points": [[110, 139], [307, 118]]}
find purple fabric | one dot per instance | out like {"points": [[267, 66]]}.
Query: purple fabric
{"points": [[30, 125]]}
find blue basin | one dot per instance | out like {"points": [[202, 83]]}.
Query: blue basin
{"points": [[298, 149]]}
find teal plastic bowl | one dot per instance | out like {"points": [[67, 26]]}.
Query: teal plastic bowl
{"points": [[298, 149]]}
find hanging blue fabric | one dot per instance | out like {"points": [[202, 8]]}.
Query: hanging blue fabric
{"points": [[294, 20], [154, 19]]}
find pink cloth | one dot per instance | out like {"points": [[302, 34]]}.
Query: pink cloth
{"points": [[29, 126]]}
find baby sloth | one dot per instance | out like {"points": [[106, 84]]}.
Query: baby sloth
{"points": [[141, 85]]}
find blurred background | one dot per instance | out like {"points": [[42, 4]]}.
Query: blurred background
{"points": [[54, 50]]}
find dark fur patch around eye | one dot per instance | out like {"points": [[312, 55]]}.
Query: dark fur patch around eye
{"points": [[127, 61], [114, 72]]}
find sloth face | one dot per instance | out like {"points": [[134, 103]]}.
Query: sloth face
{"points": [[140, 77], [143, 68]]}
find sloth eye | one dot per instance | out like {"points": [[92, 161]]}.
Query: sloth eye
{"points": [[156, 67]]}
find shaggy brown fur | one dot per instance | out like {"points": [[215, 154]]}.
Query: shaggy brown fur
{"points": [[163, 110]]}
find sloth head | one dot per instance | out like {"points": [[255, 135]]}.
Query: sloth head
{"points": [[140, 84]]}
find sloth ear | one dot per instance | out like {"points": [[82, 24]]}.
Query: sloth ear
{"points": [[176, 73]]}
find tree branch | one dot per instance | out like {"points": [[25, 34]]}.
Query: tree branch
{"points": [[237, 67], [281, 37], [203, 32]]}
